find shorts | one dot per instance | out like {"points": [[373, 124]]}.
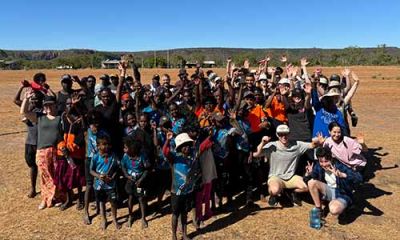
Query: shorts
{"points": [[131, 189], [289, 184], [89, 178], [164, 180], [106, 195], [30, 155], [181, 204], [330, 194]]}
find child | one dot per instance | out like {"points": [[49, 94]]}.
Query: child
{"points": [[134, 166], [104, 168], [93, 120], [185, 171]]}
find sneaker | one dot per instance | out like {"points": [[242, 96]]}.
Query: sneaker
{"points": [[354, 119], [273, 201], [295, 200]]}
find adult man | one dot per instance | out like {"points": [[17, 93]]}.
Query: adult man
{"points": [[283, 156]]}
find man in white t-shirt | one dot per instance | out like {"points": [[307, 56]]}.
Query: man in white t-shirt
{"points": [[283, 156]]}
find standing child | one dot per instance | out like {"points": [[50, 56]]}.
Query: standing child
{"points": [[135, 166], [93, 120], [104, 168], [183, 165]]}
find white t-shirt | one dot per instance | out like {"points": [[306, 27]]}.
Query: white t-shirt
{"points": [[330, 179]]}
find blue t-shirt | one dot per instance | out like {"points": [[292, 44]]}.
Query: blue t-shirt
{"points": [[220, 149], [177, 125], [135, 166], [323, 118], [184, 170], [153, 114], [104, 165], [242, 141], [163, 163]]}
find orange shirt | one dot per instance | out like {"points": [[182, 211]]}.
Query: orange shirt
{"points": [[277, 110], [255, 116], [204, 122]]}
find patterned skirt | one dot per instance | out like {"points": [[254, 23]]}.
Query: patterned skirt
{"points": [[46, 160]]}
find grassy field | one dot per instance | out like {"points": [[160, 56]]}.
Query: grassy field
{"points": [[376, 215]]}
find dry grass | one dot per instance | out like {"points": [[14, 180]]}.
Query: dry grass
{"points": [[376, 104]]}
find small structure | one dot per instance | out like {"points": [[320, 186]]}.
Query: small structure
{"points": [[63, 67], [109, 63], [208, 64], [8, 64], [190, 64]]}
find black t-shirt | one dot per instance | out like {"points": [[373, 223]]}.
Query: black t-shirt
{"points": [[299, 124]]}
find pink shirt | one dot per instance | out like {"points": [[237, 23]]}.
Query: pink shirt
{"points": [[347, 151]]}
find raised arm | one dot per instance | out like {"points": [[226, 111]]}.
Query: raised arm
{"points": [[353, 88], [24, 109], [259, 151], [17, 98]]}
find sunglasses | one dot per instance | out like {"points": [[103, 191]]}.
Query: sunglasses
{"points": [[282, 134]]}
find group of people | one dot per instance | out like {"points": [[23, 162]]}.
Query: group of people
{"points": [[274, 130]]}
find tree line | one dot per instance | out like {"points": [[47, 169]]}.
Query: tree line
{"points": [[83, 58]]}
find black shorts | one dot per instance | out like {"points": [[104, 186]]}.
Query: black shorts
{"points": [[131, 189], [88, 176], [106, 195], [181, 204], [30, 155], [164, 179]]}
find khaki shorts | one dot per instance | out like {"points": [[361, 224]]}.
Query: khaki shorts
{"points": [[290, 184]]}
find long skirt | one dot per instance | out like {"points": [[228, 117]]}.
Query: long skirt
{"points": [[67, 177], [46, 160]]}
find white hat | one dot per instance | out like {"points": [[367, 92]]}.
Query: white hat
{"points": [[262, 76], [333, 84], [284, 81], [182, 139], [323, 80], [283, 128], [331, 93], [212, 76]]}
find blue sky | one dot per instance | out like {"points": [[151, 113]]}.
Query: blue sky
{"points": [[151, 25]]}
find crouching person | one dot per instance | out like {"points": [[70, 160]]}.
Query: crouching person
{"points": [[332, 181], [283, 156]]}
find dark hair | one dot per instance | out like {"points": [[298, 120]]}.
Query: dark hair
{"points": [[39, 77], [103, 138], [133, 145], [324, 152], [250, 75], [334, 124]]}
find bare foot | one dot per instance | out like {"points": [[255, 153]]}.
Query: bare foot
{"points": [[117, 225], [103, 225], [130, 222], [79, 206], [86, 220], [144, 224], [32, 194]]}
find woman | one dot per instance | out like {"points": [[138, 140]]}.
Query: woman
{"points": [[49, 134], [347, 150]]}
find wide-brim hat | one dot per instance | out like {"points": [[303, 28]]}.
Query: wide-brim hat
{"points": [[182, 139], [331, 93]]}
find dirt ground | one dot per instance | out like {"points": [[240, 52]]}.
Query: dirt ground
{"points": [[375, 216]]}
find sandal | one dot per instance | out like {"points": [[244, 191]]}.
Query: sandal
{"points": [[42, 206]]}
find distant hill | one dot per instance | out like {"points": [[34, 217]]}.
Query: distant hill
{"points": [[83, 58]]}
